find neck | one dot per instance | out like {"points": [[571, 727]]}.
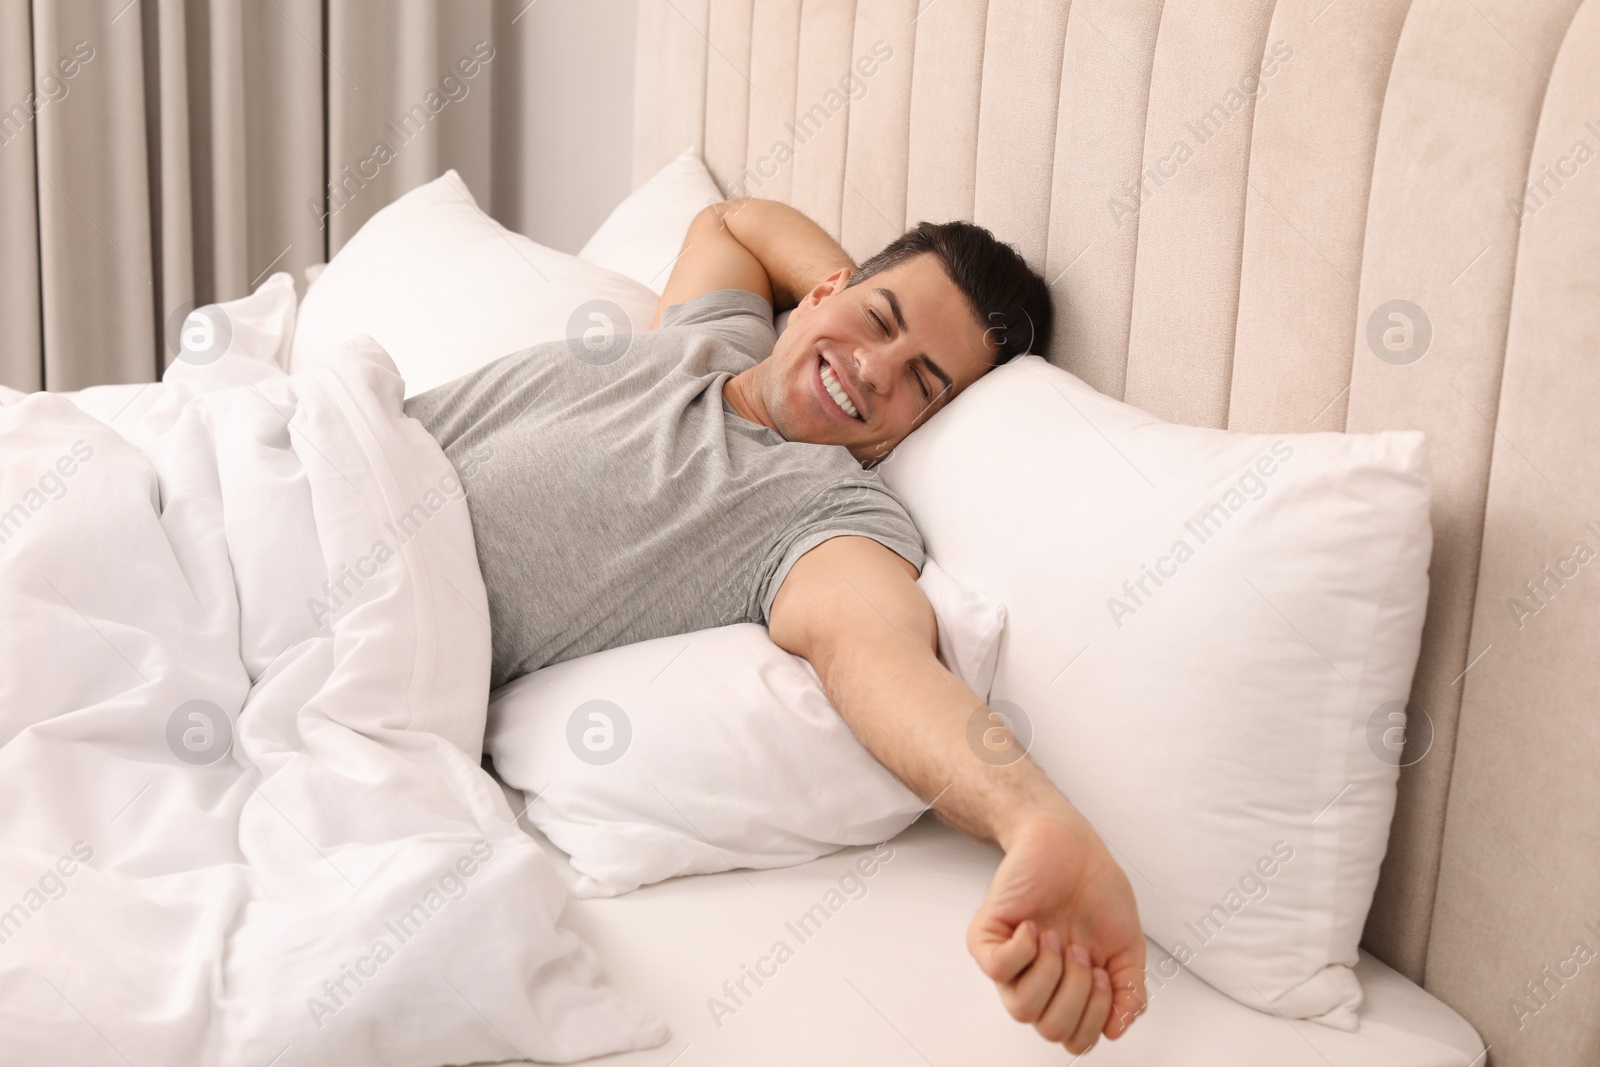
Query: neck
{"points": [[741, 393]]}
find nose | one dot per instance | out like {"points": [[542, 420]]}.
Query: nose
{"points": [[873, 367]]}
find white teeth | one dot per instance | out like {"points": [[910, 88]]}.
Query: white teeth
{"points": [[840, 397]]}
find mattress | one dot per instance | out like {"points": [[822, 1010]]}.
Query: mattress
{"points": [[885, 979]]}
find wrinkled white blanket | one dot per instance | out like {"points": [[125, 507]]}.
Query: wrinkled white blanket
{"points": [[244, 659]]}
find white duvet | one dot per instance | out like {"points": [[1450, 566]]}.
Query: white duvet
{"points": [[243, 676]]}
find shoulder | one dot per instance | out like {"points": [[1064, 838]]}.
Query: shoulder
{"points": [[734, 319], [720, 305], [851, 505], [847, 490]]}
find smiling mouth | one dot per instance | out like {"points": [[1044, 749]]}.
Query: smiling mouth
{"points": [[836, 394]]}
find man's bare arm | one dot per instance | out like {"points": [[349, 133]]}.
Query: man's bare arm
{"points": [[760, 246], [1058, 932], [887, 682]]}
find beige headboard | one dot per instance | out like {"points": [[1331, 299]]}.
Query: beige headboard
{"points": [[1226, 196]]}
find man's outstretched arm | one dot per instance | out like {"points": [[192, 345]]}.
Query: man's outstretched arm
{"points": [[1058, 931]]}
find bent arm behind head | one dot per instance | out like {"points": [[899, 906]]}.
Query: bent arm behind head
{"points": [[760, 246]]}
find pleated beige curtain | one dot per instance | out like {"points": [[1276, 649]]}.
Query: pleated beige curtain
{"points": [[156, 154]]}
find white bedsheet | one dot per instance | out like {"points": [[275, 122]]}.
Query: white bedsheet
{"points": [[885, 980], [338, 881]]}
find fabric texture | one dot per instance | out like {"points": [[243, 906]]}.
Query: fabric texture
{"points": [[708, 751], [1210, 638], [874, 916], [444, 289], [241, 721], [256, 327], [159, 155], [617, 497], [1239, 197]]}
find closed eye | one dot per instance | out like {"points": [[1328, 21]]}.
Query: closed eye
{"points": [[921, 382]]}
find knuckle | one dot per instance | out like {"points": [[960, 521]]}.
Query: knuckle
{"points": [[992, 966]]}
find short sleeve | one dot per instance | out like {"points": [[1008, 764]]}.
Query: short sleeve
{"points": [[864, 508], [740, 319]]}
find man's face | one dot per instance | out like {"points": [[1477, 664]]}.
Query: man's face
{"points": [[900, 345]]}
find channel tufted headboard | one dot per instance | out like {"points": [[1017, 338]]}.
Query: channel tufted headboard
{"points": [[1293, 216]]}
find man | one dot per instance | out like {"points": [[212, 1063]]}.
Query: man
{"points": [[715, 472]]}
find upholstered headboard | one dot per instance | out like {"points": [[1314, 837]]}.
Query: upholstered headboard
{"points": [[1292, 216]]}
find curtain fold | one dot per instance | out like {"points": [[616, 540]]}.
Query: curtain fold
{"points": [[96, 260], [409, 96], [21, 347], [158, 154]]}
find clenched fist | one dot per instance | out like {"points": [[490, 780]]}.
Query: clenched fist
{"points": [[1058, 933]]}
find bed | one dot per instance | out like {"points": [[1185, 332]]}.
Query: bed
{"points": [[888, 980], [1248, 283]]}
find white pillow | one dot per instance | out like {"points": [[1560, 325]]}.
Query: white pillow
{"points": [[445, 289], [641, 238], [1204, 630], [709, 751]]}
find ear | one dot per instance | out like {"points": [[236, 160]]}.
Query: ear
{"points": [[833, 283]]}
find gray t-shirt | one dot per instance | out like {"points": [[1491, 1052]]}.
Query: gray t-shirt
{"points": [[612, 503]]}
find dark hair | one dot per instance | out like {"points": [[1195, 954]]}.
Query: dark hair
{"points": [[1006, 297]]}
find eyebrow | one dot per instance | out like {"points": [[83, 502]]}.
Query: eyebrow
{"points": [[900, 321]]}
